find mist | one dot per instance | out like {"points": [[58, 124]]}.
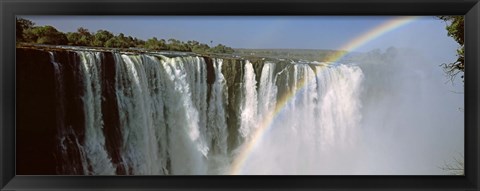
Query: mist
{"points": [[387, 112], [412, 115]]}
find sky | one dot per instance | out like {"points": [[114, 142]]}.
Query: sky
{"points": [[301, 32]]}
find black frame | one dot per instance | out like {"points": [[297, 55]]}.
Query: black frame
{"points": [[10, 8]]}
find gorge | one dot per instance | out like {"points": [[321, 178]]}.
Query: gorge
{"points": [[84, 111]]}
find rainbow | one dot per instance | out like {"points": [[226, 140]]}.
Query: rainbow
{"points": [[265, 125]]}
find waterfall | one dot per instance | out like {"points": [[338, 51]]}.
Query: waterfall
{"points": [[60, 93], [248, 109], [267, 91], [136, 103], [95, 150], [187, 147], [217, 125], [316, 125], [66, 136], [172, 114]]}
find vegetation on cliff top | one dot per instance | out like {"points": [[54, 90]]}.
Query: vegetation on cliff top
{"points": [[27, 32]]}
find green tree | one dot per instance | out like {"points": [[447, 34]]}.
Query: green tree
{"points": [[21, 25], [117, 42], [83, 31], [112, 43], [85, 37], [45, 35], [73, 38], [101, 37], [155, 44], [27, 32], [176, 45], [138, 43], [222, 49], [455, 28]]}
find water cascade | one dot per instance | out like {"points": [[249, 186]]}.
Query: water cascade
{"points": [[131, 113]]}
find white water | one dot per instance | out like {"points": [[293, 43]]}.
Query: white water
{"points": [[140, 149], [217, 127], [313, 126], [94, 146], [267, 91], [169, 126], [173, 122], [248, 109]]}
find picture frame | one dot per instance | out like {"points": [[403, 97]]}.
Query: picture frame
{"points": [[9, 9]]}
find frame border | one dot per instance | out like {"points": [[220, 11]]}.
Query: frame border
{"points": [[9, 9]]}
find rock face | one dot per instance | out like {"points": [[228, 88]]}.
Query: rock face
{"points": [[89, 112], [36, 115], [51, 111]]}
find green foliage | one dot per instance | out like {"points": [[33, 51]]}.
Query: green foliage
{"points": [[455, 28], [73, 38], [101, 37], [200, 48], [222, 49], [155, 44], [20, 26], [119, 41], [177, 45], [28, 33], [85, 37], [45, 35], [80, 38]]}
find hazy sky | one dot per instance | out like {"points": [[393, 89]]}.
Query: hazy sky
{"points": [[306, 32]]}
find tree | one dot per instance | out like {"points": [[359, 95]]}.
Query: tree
{"points": [[73, 38], [83, 31], [222, 49], [155, 44], [85, 37], [455, 28], [138, 43], [119, 41], [21, 25], [176, 45], [101, 37], [27, 32], [45, 35]]}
